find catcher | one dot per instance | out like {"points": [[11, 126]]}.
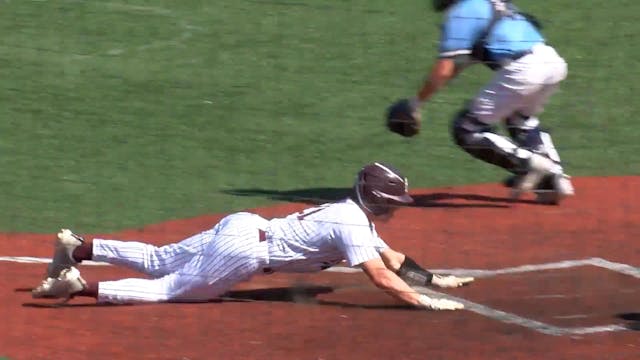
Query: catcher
{"points": [[527, 72], [206, 265]]}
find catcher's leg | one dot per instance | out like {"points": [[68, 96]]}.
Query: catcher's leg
{"points": [[525, 131], [479, 140]]}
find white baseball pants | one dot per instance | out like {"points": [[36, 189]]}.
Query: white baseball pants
{"points": [[198, 268], [523, 86]]}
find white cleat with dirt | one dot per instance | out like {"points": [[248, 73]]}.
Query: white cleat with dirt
{"points": [[64, 286], [539, 167], [562, 188], [65, 243]]}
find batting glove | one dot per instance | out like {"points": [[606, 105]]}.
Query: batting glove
{"points": [[450, 281], [439, 304]]}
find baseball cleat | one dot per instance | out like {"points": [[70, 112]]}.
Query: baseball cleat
{"points": [[64, 286], [64, 245], [561, 189], [539, 167], [550, 191]]}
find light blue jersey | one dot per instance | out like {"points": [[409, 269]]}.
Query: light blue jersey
{"points": [[466, 22]]}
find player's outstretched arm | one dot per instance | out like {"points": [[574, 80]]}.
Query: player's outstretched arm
{"points": [[442, 71], [388, 281], [409, 271]]}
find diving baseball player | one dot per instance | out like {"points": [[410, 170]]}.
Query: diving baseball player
{"points": [[241, 245], [527, 72]]}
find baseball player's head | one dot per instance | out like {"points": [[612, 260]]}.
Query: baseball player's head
{"points": [[380, 189], [442, 5]]}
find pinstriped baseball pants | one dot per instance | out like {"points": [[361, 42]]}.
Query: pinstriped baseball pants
{"points": [[198, 268]]}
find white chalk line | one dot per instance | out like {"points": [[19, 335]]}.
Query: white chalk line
{"points": [[478, 273], [149, 10], [178, 40], [502, 316], [510, 318]]}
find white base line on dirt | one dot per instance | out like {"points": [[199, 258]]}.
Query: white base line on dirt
{"points": [[510, 318], [478, 273], [489, 312]]}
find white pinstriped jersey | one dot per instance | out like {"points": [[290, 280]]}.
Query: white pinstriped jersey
{"points": [[323, 236]]}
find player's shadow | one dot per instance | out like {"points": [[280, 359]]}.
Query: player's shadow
{"points": [[315, 196], [453, 200], [305, 294], [633, 319], [300, 294], [312, 196]]}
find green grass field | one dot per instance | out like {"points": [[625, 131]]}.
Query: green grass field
{"points": [[125, 113]]}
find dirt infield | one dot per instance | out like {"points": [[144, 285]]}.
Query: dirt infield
{"points": [[554, 282]]}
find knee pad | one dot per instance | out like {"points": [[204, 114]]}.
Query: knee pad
{"points": [[465, 127], [480, 141], [525, 131]]}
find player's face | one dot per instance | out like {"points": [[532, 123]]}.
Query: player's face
{"points": [[387, 215]]}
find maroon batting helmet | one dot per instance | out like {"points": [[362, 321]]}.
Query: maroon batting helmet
{"points": [[379, 187]]}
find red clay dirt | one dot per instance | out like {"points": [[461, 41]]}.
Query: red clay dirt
{"points": [[340, 316]]}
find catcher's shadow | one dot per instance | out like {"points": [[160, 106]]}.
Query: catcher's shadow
{"points": [[444, 199], [315, 196], [632, 318]]}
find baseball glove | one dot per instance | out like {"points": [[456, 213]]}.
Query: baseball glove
{"points": [[403, 118]]}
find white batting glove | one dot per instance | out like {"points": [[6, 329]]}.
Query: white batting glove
{"points": [[449, 281], [439, 304]]}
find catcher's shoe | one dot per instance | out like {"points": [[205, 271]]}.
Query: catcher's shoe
{"points": [[539, 167], [551, 190], [64, 286], [561, 189], [65, 243]]}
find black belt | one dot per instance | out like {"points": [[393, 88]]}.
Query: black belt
{"points": [[262, 236], [520, 54], [497, 65]]}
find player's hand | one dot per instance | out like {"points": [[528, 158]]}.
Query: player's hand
{"points": [[449, 281], [439, 304]]}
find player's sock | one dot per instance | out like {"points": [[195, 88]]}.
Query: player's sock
{"points": [[83, 252]]}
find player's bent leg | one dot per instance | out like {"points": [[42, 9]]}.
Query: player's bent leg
{"points": [[234, 255], [177, 287], [167, 288], [149, 259], [479, 140], [525, 132]]}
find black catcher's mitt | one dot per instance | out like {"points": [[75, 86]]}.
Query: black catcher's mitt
{"points": [[403, 118]]}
